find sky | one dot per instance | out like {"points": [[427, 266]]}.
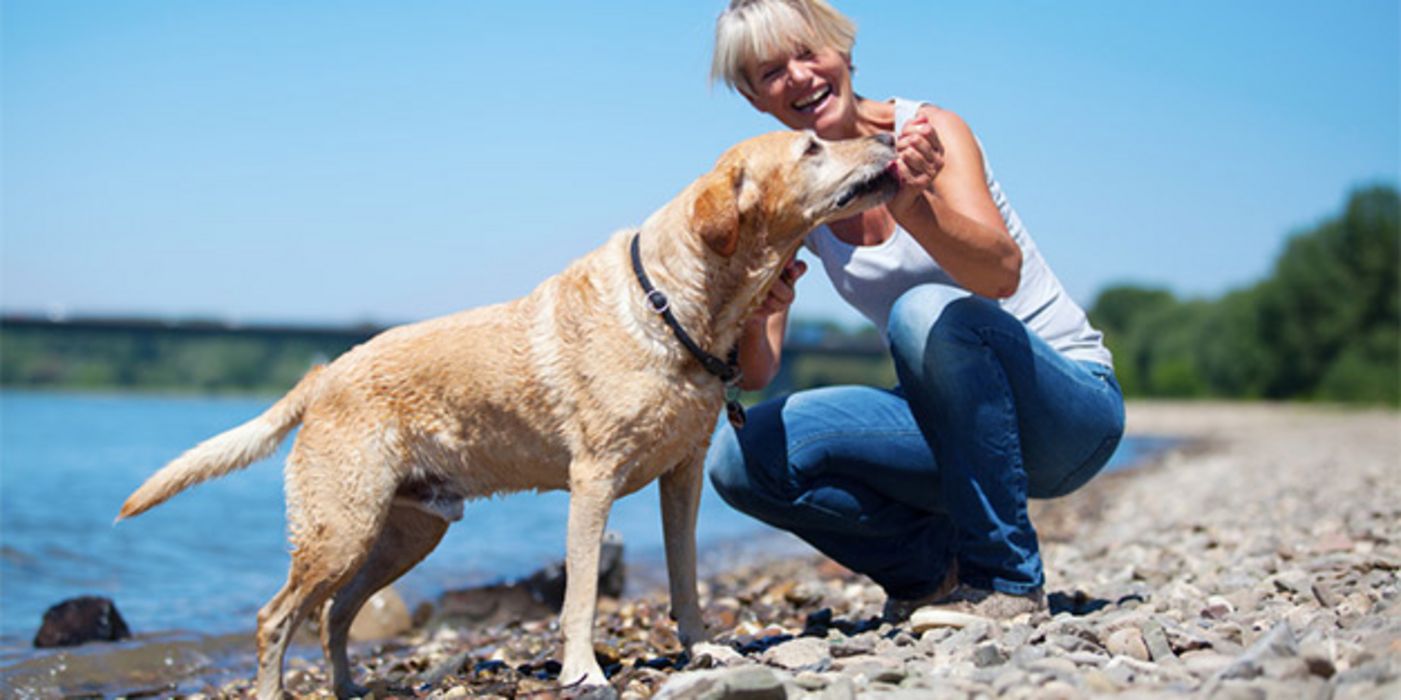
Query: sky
{"points": [[337, 162]]}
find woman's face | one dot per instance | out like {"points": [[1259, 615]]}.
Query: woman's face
{"points": [[806, 89]]}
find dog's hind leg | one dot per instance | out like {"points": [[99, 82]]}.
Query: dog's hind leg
{"points": [[334, 525], [589, 502], [409, 535]]}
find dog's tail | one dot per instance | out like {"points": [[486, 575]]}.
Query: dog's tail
{"points": [[226, 452]]}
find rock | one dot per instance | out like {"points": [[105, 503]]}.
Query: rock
{"points": [[1128, 642], [1277, 643], [989, 654], [79, 620], [452, 665], [1156, 640], [1205, 664], [383, 616], [741, 683], [1293, 581], [1218, 608], [929, 618], [1325, 595], [715, 655], [803, 654]]}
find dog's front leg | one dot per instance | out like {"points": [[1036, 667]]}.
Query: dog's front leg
{"points": [[590, 499], [680, 492]]}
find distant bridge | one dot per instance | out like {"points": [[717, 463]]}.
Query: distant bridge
{"points": [[803, 342]]}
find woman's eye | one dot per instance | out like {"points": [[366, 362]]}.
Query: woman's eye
{"points": [[771, 73]]}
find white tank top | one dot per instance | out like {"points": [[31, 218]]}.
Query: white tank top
{"points": [[872, 277]]}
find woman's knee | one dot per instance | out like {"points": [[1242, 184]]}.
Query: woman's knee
{"points": [[739, 471], [933, 318], [914, 313]]}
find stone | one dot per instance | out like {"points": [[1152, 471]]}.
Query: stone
{"points": [[929, 618], [383, 616], [802, 654], [1277, 643], [1204, 663], [715, 654], [79, 620], [739, 683], [1156, 640], [1325, 595], [989, 654], [1218, 608], [1128, 642]]}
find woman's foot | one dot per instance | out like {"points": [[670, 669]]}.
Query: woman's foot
{"points": [[898, 610], [988, 604]]}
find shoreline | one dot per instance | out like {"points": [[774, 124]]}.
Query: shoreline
{"points": [[1266, 522]]}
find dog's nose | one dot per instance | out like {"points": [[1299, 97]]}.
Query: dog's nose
{"points": [[886, 138]]}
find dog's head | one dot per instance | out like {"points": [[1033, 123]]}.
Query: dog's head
{"points": [[773, 189]]}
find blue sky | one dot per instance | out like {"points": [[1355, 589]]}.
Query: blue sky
{"points": [[348, 161]]}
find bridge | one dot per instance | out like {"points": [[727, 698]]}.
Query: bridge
{"points": [[803, 341]]}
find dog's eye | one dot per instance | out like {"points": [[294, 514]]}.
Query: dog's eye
{"points": [[814, 148]]}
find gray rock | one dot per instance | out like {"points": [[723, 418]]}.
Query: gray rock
{"points": [[1156, 640], [706, 655], [840, 689], [802, 654], [1128, 642], [740, 683], [864, 643], [1277, 643], [989, 654], [1325, 595], [1293, 581], [451, 665]]}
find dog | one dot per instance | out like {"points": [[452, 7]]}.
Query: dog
{"points": [[599, 381]]}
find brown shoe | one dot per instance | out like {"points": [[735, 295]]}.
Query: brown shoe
{"points": [[898, 610], [992, 605]]}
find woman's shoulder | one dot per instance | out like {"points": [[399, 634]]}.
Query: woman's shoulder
{"points": [[941, 117]]}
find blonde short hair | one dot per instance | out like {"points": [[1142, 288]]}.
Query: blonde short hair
{"points": [[750, 31]]}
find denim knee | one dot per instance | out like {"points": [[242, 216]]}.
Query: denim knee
{"points": [[726, 464], [912, 318]]}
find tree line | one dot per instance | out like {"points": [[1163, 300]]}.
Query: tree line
{"points": [[1324, 325]]}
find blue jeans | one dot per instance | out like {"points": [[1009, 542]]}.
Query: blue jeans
{"points": [[897, 484]]}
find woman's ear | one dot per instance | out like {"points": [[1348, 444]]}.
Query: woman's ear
{"points": [[715, 210]]}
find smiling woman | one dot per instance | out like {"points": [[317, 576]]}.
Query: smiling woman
{"points": [[1006, 391]]}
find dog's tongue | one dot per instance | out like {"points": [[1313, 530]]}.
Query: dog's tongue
{"points": [[894, 170]]}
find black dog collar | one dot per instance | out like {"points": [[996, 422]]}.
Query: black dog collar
{"points": [[726, 370]]}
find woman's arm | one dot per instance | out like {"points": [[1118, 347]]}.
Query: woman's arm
{"points": [[945, 204], [761, 343]]}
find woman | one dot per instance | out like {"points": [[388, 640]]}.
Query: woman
{"points": [[1006, 392]]}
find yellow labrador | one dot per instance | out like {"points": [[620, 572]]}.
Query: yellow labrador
{"points": [[601, 380]]}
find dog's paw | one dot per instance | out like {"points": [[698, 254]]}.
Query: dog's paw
{"points": [[585, 681], [590, 692], [694, 632]]}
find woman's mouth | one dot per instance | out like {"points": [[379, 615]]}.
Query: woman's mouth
{"points": [[813, 100]]}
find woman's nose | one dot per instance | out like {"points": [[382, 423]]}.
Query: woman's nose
{"points": [[798, 72]]}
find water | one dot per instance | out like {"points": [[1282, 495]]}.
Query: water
{"points": [[203, 563]]}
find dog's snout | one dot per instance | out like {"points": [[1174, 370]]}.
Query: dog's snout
{"points": [[886, 138]]}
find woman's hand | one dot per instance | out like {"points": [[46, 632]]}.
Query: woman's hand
{"points": [[761, 343], [919, 156], [782, 293]]}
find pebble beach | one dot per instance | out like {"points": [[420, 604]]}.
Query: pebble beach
{"points": [[1258, 558]]}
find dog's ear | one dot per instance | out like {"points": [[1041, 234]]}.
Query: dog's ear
{"points": [[715, 211]]}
